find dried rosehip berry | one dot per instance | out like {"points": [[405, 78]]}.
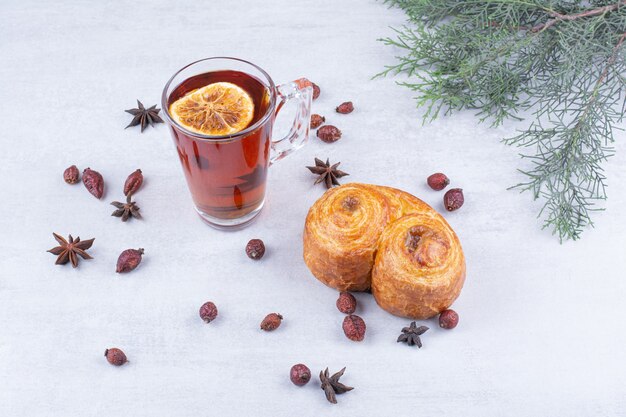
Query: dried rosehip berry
{"points": [[300, 374], [133, 182], [129, 260], [448, 319], [208, 311], [316, 91], [271, 322], [453, 199], [317, 121], [71, 175], [345, 108], [93, 182], [255, 249], [438, 181], [329, 133], [354, 327], [115, 356], [346, 303]]}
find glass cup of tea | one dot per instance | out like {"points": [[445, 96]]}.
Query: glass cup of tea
{"points": [[221, 112]]}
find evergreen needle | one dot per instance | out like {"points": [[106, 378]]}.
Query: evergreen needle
{"points": [[563, 61]]}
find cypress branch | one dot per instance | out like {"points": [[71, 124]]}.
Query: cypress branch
{"points": [[562, 60]]}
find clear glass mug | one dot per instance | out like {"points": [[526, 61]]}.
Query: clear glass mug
{"points": [[227, 175]]}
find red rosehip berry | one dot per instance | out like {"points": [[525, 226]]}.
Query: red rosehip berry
{"points": [[448, 319], [317, 121], [300, 374], [453, 199], [271, 322], [438, 181], [346, 303], [255, 249], [316, 91], [345, 108], [354, 327], [329, 133], [208, 311], [71, 175], [115, 356]]}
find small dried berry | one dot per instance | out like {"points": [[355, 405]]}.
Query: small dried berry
{"points": [[438, 181], [133, 182], [300, 374], [345, 108], [316, 91], [317, 121], [129, 260], [448, 319], [71, 175], [93, 182], [255, 249], [346, 303], [115, 356], [329, 133], [208, 312], [453, 199], [354, 327], [271, 322]]}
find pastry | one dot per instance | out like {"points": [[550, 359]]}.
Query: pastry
{"points": [[360, 236], [419, 268], [341, 235]]}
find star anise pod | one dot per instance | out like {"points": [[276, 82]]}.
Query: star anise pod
{"points": [[69, 249], [332, 386], [126, 210], [411, 335], [327, 173], [144, 116]]}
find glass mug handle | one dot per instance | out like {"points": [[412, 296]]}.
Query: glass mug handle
{"points": [[302, 91]]}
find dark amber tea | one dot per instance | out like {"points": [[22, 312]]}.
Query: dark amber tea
{"points": [[227, 177], [221, 112]]}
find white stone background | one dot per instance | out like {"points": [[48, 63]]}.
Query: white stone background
{"points": [[542, 324]]}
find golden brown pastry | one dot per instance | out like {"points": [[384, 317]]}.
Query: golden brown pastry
{"points": [[420, 268], [341, 234], [359, 236]]}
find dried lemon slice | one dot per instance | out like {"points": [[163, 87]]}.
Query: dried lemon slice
{"points": [[217, 109]]}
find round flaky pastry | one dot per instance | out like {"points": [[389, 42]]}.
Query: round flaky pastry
{"points": [[341, 234], [359, 236], [216, 109]]}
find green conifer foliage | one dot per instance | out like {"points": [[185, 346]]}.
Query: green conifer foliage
{"points": [[562, 61]]}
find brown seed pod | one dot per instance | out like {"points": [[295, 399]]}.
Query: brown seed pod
{"points": [[438, 181], [453, 199], [208, 311], [317, 121], [129, 260], [93, 182], [133, 182], [354, 327], [345, 108], [115, 356], [271, 322], [346, 303], [71, 175], [329, 133]]}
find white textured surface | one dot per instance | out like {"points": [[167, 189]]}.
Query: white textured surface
{"points": [[542, 325]]}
